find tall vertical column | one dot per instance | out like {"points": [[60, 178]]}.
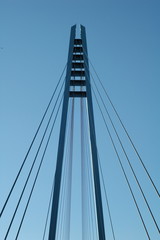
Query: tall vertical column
{"points": [[77, 75], [99, 208], [58, 173]]}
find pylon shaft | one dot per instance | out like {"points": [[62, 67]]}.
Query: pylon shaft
{"points": [[77, 59], [58, 173]]}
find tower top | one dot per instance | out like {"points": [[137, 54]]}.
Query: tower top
{"points": [[78, 30]]}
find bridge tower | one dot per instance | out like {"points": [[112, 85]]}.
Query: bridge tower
{"points": [[77, 77]]}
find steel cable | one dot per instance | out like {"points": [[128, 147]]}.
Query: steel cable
{"points": [[60, 232], [90, 180], [68, 180], [35, 180], [123, 126], [49, 208], [98, 198], [126, 155], [86, 233], [123, 170], [84, 185], [34, 161], [33, 140], [107, 200]]}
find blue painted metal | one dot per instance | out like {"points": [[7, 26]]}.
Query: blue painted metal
{"points": [[80, 54], [99, 208], [58, 173]]}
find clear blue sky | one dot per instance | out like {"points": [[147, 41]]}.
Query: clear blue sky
{"points": [[123, 43]]}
